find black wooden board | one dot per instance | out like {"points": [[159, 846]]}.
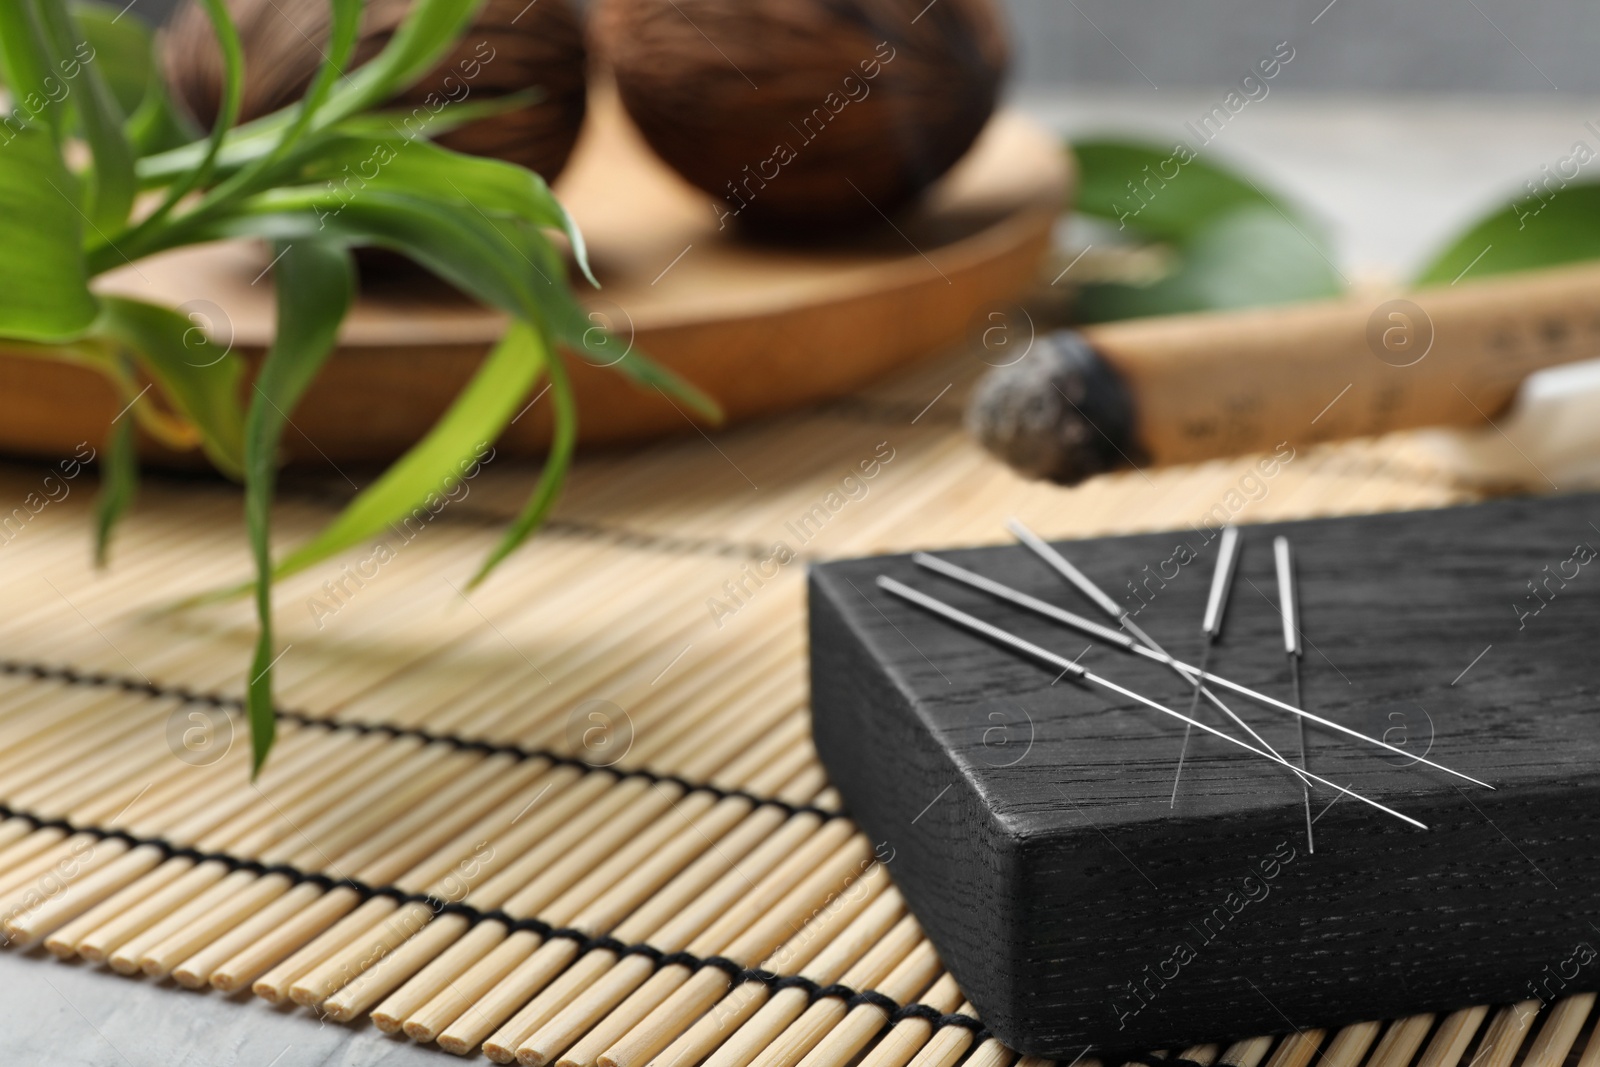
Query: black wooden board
{"points": [[1028, 821]]}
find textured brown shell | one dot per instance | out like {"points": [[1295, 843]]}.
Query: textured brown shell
{"points": [[516, 44], [720, 88]]}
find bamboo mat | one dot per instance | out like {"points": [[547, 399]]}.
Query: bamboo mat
{"points": [[573, 816]]}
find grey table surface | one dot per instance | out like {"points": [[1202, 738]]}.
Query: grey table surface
{"points": [[1391, 178], [75, 1015]]}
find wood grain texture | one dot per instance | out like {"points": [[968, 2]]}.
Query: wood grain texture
{"points": [[1029, 821], [760, 327]]}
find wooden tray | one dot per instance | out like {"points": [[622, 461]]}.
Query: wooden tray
{"points": [[762, 328]]}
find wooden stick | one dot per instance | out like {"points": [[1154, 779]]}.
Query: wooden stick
{"points": [[1183, 388], [254, 962], [992, 1053], [1298, 1049], [1591, 1051], [127, 958], [779, 862], [1560, 1030], [1247, 1053], [46, 873], [597, 902], [200, 930], [748, 1009], [827, 931], [366, 936], [65, 941], [459, 995], [438, 951], [196, 971], [838, 1040], [426, 825], [366, 948], [274, 985], [703, 886], [839, 961], [1400, 1041], [800, 1032], [947, 1045], [1350, 1044], [657, 1030], [83, 894], [597, 975], [578, 812], [1507, 1030], [448, 1004]]}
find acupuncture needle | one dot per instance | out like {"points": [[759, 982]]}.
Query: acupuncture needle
{"points": [[1291, 648], [1211, 627], [1077, 622], [1098, 597], [1068, 667]]}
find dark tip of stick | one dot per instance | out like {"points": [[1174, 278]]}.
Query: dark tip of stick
{"points": [[1060, 412]]}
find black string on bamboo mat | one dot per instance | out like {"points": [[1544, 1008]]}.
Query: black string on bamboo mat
{"points": [[737, 973], [235, 705]]}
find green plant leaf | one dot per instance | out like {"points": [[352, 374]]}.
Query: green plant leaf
{"points": [[551, 478], [573, 327], [241, 146], [1530, 233], [477, 416], [1151, 191], [201, 382], [315, 283], [35, 89], [391, 122], [500, 260], [119, 481], [425, 170], [158, 124], [140, 237], [430, 30], [44, 281], [245, 144], [266, 167], [111, 179], [342, 36], [124, 52], [1248, 258]]}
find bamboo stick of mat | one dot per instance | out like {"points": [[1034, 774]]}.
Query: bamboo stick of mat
{"points": [[730, 903], [756, 1016], [794, 1034], [689, 902], [436, 979], [732, 897], [632, 881], [574, 1037], [908, 1036]]}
